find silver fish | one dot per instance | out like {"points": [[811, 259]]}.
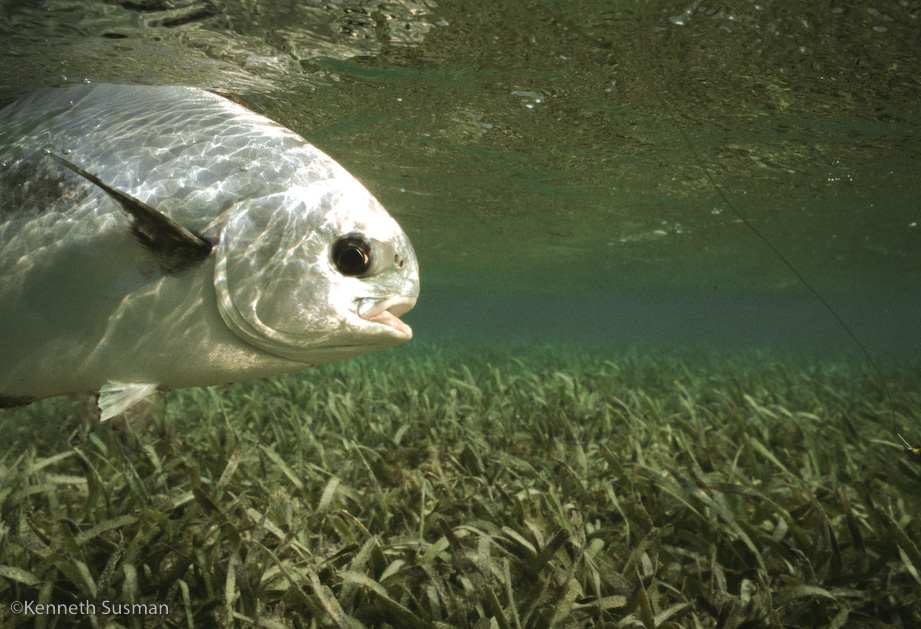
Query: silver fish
{"points": [[164, 237]]}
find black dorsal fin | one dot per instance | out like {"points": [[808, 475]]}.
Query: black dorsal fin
{"points": [[175, 247]]}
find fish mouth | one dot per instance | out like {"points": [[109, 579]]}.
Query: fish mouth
{"points": [[387, 312]]}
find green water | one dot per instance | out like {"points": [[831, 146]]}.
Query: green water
{"points": [[561, 169], [550, 160]]}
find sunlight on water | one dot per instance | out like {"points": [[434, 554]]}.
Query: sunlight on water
{"points": [[538, 147], [619, 406]]}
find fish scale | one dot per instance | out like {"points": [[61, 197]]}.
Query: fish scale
{"points": [[157, 237]]}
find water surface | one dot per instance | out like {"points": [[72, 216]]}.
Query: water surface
{"points": [[555, 163]]}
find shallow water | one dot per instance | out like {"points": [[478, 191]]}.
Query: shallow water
{"points": [[565, 171], [555, 163]]}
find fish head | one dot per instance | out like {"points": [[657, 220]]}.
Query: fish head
{"points": [[316, 273]]}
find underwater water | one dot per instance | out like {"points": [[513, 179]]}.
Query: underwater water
{"points": [[620, 406], [555, 163]]}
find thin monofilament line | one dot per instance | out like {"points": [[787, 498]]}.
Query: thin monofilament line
{"points": [[792, 268]]}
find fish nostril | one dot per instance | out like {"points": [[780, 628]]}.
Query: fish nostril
{"points": [[281, 236]]}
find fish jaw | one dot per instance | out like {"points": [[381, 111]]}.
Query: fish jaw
{"points": [[387, 312]]}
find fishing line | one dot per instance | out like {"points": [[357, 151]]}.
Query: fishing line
{"points": [[815, 293]]}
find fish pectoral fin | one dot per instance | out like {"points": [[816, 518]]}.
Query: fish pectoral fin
{"points": [[176, 248], [117, 397]]}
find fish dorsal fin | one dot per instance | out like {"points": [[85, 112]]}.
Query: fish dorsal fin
{"points": [[117, 397], [176, 248]]}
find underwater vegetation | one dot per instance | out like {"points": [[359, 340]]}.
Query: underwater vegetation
{"points": [[512, 488]]}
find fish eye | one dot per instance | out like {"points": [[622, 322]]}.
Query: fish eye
{"points": [[352, 255]]}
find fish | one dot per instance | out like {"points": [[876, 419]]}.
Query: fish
{"points": [[160, 237]]}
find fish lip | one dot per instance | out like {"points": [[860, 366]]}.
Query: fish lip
{"points": [[386, 311]]}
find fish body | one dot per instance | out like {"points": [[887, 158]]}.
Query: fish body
{"points": [[165, 237]]}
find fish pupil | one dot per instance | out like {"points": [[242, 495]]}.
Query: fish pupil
{"points": [[352, 255]]}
